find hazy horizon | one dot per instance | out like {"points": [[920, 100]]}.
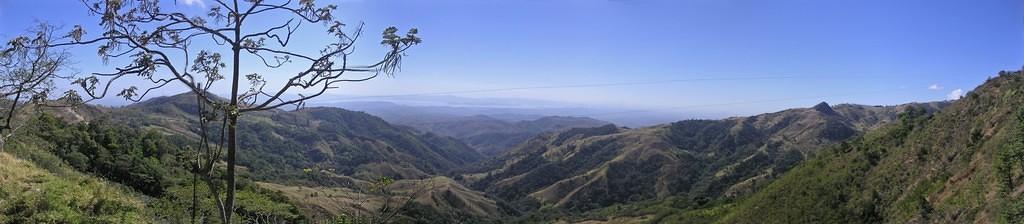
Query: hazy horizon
{"points": [[736, 58]]}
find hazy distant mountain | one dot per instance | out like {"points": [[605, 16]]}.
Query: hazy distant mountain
{"points": [[403, 114], [492, 136], [488, 135], [587, 168], [489, 130], [441, 107]]}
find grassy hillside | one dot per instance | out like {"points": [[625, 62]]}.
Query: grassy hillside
{"points": [[30, 194], [962, 165], [437, 200]]}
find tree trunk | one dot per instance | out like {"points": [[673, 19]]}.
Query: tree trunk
{"points": [[229, 202], [232, 113]]}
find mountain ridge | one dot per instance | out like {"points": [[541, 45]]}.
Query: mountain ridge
{"points": [[333, 133], [587, 168], [958, 165]]}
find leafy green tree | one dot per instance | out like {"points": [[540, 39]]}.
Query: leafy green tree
{"points": [[163, 47], [1009, 165]]}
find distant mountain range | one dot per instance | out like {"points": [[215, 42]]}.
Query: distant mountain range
{"points": [[405, 111], [489, 135]]}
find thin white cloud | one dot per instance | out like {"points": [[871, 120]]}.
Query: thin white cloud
{"points": [[935, 87], [199, 3], [955, 95]]}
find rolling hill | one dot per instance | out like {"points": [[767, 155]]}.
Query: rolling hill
{"points": [[330, 149], [278, 145], [962, 165], [32, 194], [589, 168]]}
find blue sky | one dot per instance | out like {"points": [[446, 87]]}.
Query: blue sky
{"points": [[867, 52]]}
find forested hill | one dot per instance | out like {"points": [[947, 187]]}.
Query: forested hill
{"points": [[965, 164], [590, 168], [103, 171], [278, 145], [308, 162]]}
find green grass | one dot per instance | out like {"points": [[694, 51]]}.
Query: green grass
{"points": [[29, 194]]}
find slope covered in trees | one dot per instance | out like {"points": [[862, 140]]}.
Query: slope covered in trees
{"points": [[281, 145], [962, 165], [325, 148], [140, 166]]}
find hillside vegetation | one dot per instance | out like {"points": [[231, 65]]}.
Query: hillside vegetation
{"points": [[962, 165], [30, 194], [279, 145], [436, 200], [145, 165], [695, 160], [326, 148]]}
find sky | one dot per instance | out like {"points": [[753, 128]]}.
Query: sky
{"points": [[728, 57]]}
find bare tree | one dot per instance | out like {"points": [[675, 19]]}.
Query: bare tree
{"points": [[164, 47], [27, 71]]}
